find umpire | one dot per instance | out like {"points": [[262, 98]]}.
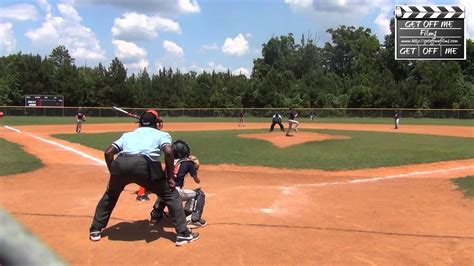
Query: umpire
{"points": [[138, 162], [276, 119]]}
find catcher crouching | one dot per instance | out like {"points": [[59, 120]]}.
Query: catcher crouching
{"points": [[195, 200]]}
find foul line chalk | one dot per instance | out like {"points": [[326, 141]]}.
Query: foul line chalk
{"points": [[85, 155], [375, 179], [12, 128]]}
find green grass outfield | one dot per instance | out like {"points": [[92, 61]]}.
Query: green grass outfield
{"points": [[363, 150], [15, 160], [466, 185], [58, 120]]}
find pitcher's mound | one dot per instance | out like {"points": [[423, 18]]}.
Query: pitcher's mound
{"points": [[281, 141]]}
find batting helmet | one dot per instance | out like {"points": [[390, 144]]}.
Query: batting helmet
{"points": [[181, 149], [151, 118]]}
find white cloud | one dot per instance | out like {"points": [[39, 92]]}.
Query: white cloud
{"points": [[211, 66], [137, 27], [216, 67], [208, 47], [135, 67], [20, 12], [171, 7], [126, 50], [238, 46], [241, 71], [469, 16], [44, 5], [132, 56], [7, 38], [66, 29], [382, 21], [173, 49], [299, 3]]}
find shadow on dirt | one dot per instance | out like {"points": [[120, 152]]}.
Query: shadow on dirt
{"points": [[138, 230], [125, 230]]}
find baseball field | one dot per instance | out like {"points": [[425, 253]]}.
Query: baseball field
{"points": [[347, 191]]}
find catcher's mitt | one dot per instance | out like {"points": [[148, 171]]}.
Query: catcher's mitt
{"points": [[195, 161]]}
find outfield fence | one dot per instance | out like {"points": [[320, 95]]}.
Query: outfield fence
{"points": [[248, 112]]}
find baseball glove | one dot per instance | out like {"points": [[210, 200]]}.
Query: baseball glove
{"points": [[195, 161]]}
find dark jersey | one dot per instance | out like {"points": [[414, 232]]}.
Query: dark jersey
{"points": [[397, 115], [241, 114], [80, 115], [184, 168], [277, 118], [292, 115]]}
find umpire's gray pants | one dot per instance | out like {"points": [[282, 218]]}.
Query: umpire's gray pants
{"points": [[134, 169]]}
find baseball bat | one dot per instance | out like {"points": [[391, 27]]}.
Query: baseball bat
{"points": [[125, 112]]}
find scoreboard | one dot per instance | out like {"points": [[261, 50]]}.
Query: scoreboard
{"points": [[44, 100]]}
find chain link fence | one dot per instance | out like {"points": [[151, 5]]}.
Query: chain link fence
{"points": [[249, 112]]}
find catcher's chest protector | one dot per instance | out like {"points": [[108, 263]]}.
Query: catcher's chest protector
{"points": [[177, 164]]}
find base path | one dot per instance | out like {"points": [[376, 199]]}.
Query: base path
{"points": [[257, 215]]}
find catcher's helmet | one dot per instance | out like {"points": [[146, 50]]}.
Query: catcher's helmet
{"points": [[181, 149], [151, 118]]}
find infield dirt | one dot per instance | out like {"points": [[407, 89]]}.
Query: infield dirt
{"points": [[257, 215]]}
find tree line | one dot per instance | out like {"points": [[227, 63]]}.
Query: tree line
{"points": [[353, 70]]}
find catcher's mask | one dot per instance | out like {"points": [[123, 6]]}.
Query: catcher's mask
{"points": [[151, 118], [181, 149]]}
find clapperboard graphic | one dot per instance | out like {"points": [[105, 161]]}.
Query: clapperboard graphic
{"points": [[430, 33]]}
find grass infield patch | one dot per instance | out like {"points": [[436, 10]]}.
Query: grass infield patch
{"points": [[466, 185], [14, 159], [60, 120], [363, 150]]}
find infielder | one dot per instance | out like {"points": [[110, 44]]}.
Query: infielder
{"points": [[138, 162], [80, 117], [292, 114], [195, 200]]}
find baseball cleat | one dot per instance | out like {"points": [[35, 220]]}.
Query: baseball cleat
{"points": [[186, 238], [94, 236], [197, 224]]}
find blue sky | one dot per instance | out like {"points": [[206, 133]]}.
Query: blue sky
{"points": [[190, 35]]}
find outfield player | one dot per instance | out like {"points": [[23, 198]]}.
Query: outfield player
{"points": [[241, 119], [396, 117], [184, 164], [292, 114], [80, 117], [138, 161]]}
